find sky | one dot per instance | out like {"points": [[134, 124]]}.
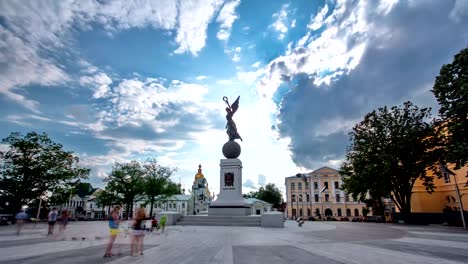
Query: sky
{"points": [[115, 81]]}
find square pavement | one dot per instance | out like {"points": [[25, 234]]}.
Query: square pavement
{"points": [[315, 242]]}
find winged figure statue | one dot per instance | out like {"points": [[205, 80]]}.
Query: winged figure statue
{"points": [[231, 128]]}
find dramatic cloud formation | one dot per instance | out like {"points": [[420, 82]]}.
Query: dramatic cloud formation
{"points": [[121, 80], [368, 55]]}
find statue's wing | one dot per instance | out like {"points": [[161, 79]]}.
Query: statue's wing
{"points": [[235, 105]]}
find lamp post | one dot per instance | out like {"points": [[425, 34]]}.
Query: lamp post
{"points": [[460, 202]]}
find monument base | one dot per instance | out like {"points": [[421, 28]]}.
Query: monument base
{"points": [[229, 210]]}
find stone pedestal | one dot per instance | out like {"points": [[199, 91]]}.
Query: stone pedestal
{"points": [[230, 200]]}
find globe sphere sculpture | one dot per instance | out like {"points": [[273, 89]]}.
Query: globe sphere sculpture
{"points": [[231, 150]]}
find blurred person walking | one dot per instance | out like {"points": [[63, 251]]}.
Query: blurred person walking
{"points": [[162, 223], [113, 229], [63, 220], [138, 231], [21, 218], [52, 218]]}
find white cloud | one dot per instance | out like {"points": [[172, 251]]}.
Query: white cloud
{"points": [[281, 20], [201, 77], [249, 184], [256, 64], [100, 82], [293, 23], [460, 9], [194, 17], [226, 18], [318, 20], [30, 34], [236, 58]]}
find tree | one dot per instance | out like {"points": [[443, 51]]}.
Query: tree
{"points": [[251, 194], [105, 198], [270, 194], [451, 91], [157, 182], [390, 149], [126, 181], [32, 165]]}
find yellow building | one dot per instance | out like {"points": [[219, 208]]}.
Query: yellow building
{"points": [[444, 194], [304, 199]]}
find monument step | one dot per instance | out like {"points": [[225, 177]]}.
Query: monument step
{"points": [[216, 224], [220, 220]]}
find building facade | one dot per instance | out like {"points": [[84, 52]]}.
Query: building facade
{"points": [[444, 195], [318, 194], [201, 192], [258, 207]]}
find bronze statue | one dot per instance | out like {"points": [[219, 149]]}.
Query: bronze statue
{"points": [[231, 128]]}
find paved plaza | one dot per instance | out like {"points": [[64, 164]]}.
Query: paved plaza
{"points": [[315, 242]]}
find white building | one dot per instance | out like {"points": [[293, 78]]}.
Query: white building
{"points": [[258, 207], [180, 203]]}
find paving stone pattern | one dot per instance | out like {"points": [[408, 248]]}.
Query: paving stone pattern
{"points": [[315, 242]]}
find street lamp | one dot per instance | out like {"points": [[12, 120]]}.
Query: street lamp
{"points": [[443, 168]]}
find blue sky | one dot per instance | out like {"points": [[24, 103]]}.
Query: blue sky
{"points": [[120, 80]]}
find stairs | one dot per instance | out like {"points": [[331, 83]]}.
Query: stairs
{"points": [[219, 220]]}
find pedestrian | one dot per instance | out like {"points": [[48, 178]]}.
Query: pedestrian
{"points": [[162, 223], [52, 218], [154, 224], [113, 229], [138, 231], [63, 220], [21, 218]]}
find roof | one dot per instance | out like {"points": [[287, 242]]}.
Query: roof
{"points": [[254, 201], [178, 197], [325, 169]]}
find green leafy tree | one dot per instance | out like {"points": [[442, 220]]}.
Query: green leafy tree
{"points": [[251, 194], [390, 149], [105, 198], [32, 165], [451, 91], [126, 181], [270, 194], [157, 182]]}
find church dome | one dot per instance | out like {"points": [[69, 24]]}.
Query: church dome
{"points": [[199, 175]]}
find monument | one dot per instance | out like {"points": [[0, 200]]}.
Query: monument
{"points": [[230, 200]]}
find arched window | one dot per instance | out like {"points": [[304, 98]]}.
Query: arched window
{"points": [[308, 212], [300, 212], [339, 211], [328, 212], [356, 212], [348, 212], [293, 212]]}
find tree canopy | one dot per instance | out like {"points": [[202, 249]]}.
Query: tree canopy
{"points": [[270, 194], [32, 165], [390, 149], [451, 92]]}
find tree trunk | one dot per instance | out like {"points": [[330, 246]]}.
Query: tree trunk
{"points": [[151, 208]]}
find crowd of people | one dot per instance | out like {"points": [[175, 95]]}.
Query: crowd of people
{"points": [[138, 225]]}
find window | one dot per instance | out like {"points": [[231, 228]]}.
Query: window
{"points": [[316, 197], [348, 212], [170, 205], [327, 197], [91, 206], [315, 185], [308, 198], [317, 211], [293, 212], [337, 185], [300, 198], [356, 212], [308, 212], [175, 206], [293, 186], [300, 212], [339, 211], [293, 198], [306, 185], [446, 177], [183, 205], [347, 198], [299, 185], [338, 198], [326, 185]]}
